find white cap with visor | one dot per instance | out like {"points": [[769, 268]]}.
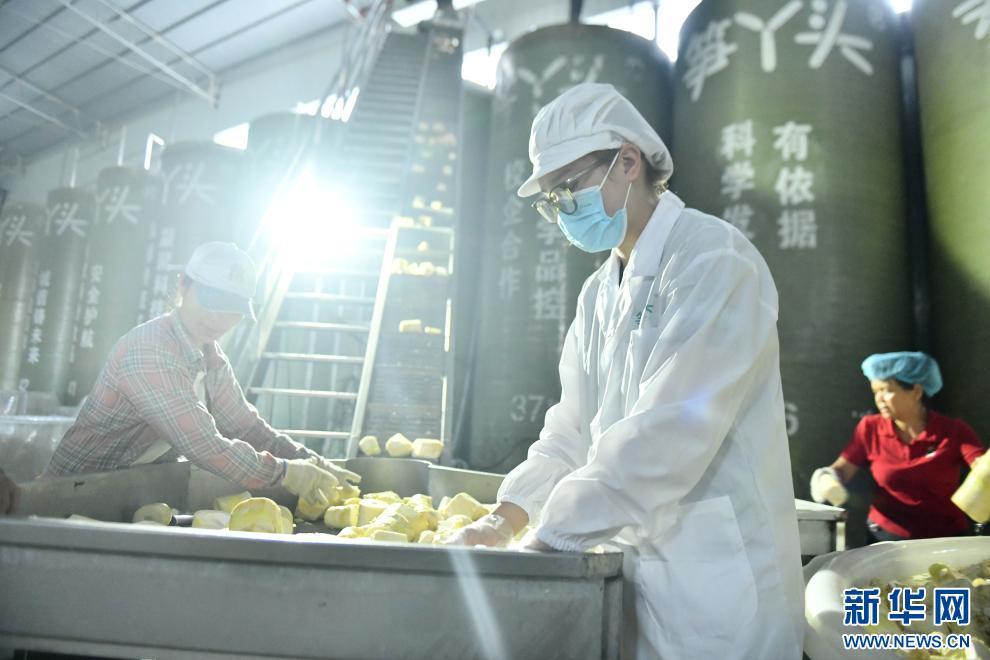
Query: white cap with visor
{"points": [[224, 276]]}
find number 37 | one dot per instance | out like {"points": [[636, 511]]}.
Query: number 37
{"points": [[528, 407]]}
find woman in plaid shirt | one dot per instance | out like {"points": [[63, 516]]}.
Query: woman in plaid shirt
{"points": [[167, 390]]}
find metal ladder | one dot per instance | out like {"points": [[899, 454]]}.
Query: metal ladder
{"points": [[307, 377], [308, 374]]}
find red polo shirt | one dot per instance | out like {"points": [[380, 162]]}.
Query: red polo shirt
{"points": [[915, 481]]}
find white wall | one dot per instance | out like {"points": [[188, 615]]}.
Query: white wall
{"points": [[271, 83]]}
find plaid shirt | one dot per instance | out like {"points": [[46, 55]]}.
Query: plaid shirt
{"points": [[145, 392]]}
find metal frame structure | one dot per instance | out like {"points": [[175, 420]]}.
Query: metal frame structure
{"points": [[70, 26], [72, 40], [360, 57], [364, 388], [20, 80], [210, 92]]}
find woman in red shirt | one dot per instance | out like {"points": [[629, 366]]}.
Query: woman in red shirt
{"points": [[914, 454]]}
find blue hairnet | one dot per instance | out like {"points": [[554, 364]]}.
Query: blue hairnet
{"points": [[913, 368]]}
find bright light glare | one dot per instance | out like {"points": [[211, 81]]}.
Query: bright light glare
{"points": [[235, 136], [341, 108], [637, 18], [670, 18], [476, 596], [901, 6], [149, 148], [479, 66], [307, 107], [334, 107], [311, 223]]}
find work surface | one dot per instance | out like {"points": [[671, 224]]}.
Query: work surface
{"points": [[125, 590]]}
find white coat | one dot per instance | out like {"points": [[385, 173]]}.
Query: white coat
{"points": [[670, 440]]}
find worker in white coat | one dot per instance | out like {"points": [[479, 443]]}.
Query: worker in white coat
{"points": [[669, 437]]}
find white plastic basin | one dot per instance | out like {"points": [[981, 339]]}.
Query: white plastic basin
{"points": [[828, 575]]}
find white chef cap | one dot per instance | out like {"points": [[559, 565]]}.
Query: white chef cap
{"points": [[586, 118]]}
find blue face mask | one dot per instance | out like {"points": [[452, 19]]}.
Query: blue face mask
{"points": [[590, 228]]}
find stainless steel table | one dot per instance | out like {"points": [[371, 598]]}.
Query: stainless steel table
{"points": [[822, 528], [140, 591]]}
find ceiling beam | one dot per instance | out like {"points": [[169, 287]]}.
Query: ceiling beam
{"points": [[123, 56], [42, 92], [155, 36], [209, 93], [42, 114], [87, 43]]}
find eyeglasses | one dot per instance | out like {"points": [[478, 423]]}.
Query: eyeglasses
{"points": [[561, 198]]}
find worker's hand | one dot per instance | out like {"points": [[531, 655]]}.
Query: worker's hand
{"points": [[307, 480], [10, 494], [334, 469], [826, 486], [492, 530]]}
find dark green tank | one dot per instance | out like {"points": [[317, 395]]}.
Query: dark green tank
{"points": [[952, 43], [48, 356], [531, 276], [786, 124], [202, 201], [117, 271], [469, 231], [22, 229]]}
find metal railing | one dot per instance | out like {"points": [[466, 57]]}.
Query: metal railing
{"points": [[247, 344], [360, 56]]}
